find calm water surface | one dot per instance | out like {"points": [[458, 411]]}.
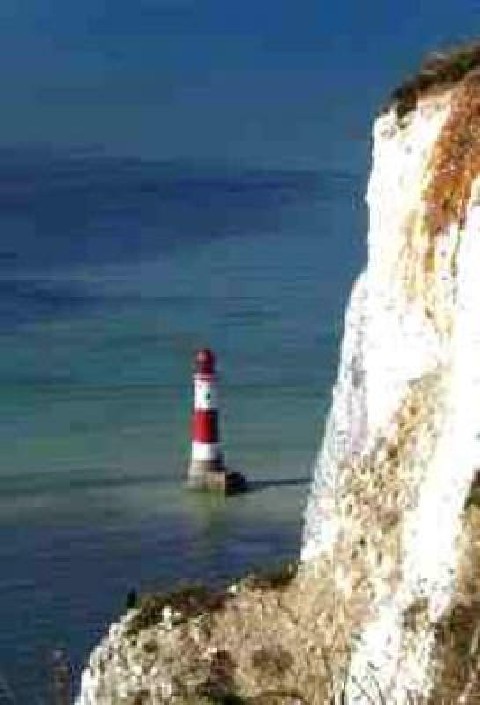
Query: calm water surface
{"points": [[112, 273]]}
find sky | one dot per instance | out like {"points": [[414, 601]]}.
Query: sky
{"points": [[266, 83]]}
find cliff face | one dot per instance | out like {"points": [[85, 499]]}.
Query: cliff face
{"points": [[402, 440], [387, 596]]}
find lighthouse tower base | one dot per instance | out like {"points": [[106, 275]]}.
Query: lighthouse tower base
{"points": [[213, 476]]}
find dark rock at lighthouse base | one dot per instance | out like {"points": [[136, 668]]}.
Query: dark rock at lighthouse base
{"points": [[235, 482], [228, 482]]}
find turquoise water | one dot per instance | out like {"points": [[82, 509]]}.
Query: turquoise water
{"points": [[112, 275]]}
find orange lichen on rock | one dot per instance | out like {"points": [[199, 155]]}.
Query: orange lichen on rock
{"points": [[450, 83], [456, 158]]}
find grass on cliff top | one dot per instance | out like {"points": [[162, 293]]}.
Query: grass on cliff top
{"points": [[189, 600], [273, 577], [439, 70], [192, 600]]}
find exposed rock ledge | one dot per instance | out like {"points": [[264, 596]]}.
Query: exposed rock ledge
{"points": [[385, 605], [264, 644]]}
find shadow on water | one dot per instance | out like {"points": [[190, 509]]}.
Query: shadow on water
{"points": [[258, 485], [214, 500]]}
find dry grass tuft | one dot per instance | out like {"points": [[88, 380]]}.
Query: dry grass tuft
{"points": [[273, 661]]}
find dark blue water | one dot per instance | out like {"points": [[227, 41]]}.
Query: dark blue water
{"points": [[112, 273]]}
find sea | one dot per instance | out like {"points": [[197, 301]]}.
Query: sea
{"points": [[113, 272]]}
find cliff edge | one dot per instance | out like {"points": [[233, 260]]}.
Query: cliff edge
{"points": [[384, 605]]}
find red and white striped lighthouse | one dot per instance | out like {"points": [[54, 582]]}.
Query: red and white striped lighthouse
{"points": [[206, 454], [207, 470]]}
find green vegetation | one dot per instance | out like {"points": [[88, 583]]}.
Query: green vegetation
{"points": [[439, 70], [273, 578], [473, 499], [190, 601]]}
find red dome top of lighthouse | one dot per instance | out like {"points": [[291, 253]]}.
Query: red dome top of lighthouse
{"points": [[205, 361]]}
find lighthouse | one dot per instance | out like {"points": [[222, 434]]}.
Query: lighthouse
{"points": [[207, 470]]}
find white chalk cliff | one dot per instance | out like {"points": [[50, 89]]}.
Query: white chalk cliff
{"points": [[402, 441], [387, 532]]}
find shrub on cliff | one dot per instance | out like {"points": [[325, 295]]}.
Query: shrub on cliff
{"points": [[439, 70], [188, 601]]}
